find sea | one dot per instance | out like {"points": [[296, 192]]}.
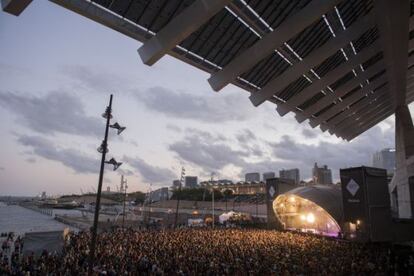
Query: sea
{"points": [[20, 220]]}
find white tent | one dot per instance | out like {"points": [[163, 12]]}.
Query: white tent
{"points": [[226, 216]]}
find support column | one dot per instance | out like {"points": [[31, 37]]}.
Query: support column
{"points": [[404, 145]]}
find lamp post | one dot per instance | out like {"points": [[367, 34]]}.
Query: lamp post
{"points": [[212, 197], [149, 204], [178, 196], [103, 149], [125, 196]]}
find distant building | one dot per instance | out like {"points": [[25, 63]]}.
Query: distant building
{"points": [[384, 159], [268, 175], [190, 182], [158, 195], [216, 182], [322, 175], [176, 184], [252, 177], [239, 188], [43, 196], [292, 174]]}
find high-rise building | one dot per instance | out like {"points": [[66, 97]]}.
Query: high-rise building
{"points": [[176, 184], [252, 177], [190, 181], [268, 175], [322, 175], [293, 174], [158, 195], [384, 159]]}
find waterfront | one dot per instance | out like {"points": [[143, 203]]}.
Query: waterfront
{"points": [[14, 218]]}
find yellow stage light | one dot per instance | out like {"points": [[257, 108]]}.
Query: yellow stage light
{"points": [[310, 218]]}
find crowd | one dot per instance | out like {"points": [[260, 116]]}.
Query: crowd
{"points": [[211, 252]]}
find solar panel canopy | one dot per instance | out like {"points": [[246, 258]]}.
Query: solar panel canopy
{"points": [[342, 65]]}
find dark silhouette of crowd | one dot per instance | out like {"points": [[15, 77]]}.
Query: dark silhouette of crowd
{"points": [[206, 251]]}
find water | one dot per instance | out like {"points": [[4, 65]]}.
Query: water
{"points": [[14, 218]]}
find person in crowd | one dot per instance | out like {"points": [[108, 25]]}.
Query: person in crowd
{"points": [[206, 251]]}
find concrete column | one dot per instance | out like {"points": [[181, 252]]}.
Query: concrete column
{"points": [[404, 145]]}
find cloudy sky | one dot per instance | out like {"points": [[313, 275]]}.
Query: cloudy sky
{"points": [[57, 70]]}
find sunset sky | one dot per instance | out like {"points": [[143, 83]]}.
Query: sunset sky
{"points": [[57, 70]]}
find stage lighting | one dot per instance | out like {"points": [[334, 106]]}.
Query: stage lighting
{"points": [[118, 127], [107, 112], [112, 161], [310, 218], [101, 149]]}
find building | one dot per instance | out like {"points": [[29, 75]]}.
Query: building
{"points": [[239, 188], [321, 175], [176, 184], [384, 159], [158, 195], [252, 177], [268, 175], [190, 182], [293, 174]]}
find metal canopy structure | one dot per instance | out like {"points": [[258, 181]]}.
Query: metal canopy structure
{"points": [[344, 65]]}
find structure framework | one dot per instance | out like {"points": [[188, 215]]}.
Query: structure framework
{"points": [[343, 65]]}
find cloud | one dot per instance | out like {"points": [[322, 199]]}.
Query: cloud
{"points": [[2, 168], [52, 113], [335, 155], [309, 133], [31, 160], [173, 128], [149, 173], [207, 151], [245, 136], [248, 141], [71, 158], [206, 108], [125, 172], [95, 80]]}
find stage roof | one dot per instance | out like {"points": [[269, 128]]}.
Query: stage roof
{"points": [[343, 65]]}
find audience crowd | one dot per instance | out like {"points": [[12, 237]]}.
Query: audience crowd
{"points": [[206, 251]]}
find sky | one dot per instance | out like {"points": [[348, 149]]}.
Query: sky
{"points": [[57, 70]]}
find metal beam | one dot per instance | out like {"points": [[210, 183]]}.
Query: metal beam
{"points": [[367, 126], [179, 28], [328, 79], [346, 102], [354, 109], [340, 92], [266, 46], [364, 117], [362, 114], [393, 23], [357, 110], [312, 60], [14, 7]]}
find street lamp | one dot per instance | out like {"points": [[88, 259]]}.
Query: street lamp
{"points": [[103, 149], [125, 196], [113, 162], [178, 197]]}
